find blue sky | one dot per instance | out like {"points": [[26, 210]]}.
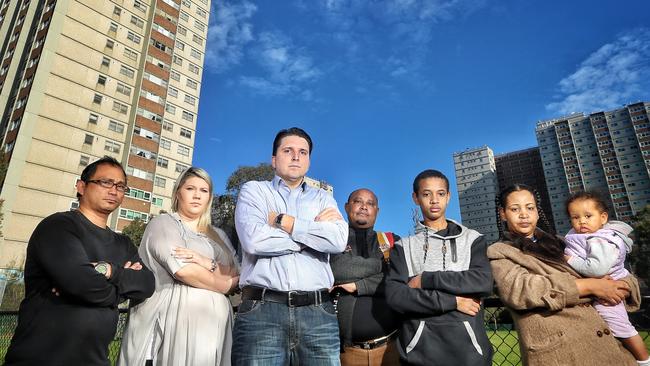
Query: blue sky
{"points": [[389, 88]]}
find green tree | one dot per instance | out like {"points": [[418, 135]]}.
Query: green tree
{"points": [[639, 259], [135, 230], [223, 206]]}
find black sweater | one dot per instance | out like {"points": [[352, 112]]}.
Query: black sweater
{"points": [[76, 327], [363, 264]]}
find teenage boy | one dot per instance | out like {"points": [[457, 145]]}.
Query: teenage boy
{"points": [[436, 280]]}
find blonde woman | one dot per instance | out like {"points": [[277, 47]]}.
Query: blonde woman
{"points": [[188, 319]]}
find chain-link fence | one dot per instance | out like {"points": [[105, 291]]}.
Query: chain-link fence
{"points": [[498, 324]]}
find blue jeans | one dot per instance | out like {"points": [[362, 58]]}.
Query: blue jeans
{"points": [[273, 334]]}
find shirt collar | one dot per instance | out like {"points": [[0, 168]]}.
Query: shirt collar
{"points": [[277, 182]]}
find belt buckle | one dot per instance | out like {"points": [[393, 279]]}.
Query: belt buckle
{"points": [[289, 296]]}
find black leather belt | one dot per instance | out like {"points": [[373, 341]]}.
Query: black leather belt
{"points": [[289, 298], [375, 343]]}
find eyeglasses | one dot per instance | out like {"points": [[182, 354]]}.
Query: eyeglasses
{"points": [[108, 184]]}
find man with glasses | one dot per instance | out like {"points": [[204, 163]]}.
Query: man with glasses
{"points": [[77, 271]]}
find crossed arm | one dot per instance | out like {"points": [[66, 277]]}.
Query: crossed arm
{"points": [[326, 233]]}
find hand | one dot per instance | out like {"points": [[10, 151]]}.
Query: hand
{"points": [[350, 287], [467, 305], [136, 266], [416, 282], [329, 214], [190, 256], [567, 258], [272, 217], [608, 291], [233, 284]]}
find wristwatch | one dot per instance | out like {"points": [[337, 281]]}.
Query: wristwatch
{"points": [[278, 221], [102, 267]]}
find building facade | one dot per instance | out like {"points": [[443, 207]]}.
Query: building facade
{"points": [[477, 185], [80, 79], [605, 151]]}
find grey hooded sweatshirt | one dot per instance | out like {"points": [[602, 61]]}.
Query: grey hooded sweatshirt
{"points": [[452, 262]]}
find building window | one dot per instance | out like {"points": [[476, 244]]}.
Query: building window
{"points": [[93, 118], [139, 194], [112, 27], [190, 99], [193, 68], [181, 30], [106, 61], [132, 215], [183, 150], [191, 84], [175, 75], [138, 5], [170, 108], [117, 11], [119, 107], [111, 146], [184, 16], [195, 53], [177, 60], [197, 39], [160, 182], [168, 126], [89, 139], [84, 160], [127, 72], [188, 116], [97, 99], [162, 162], [133, 38], [137, 21], [198, 25], [165, 144], [180, 45], [157, 201], [187, 3], [123, 89], [186, 133], [137, 130], [172, 92], [129, 53], [180, 167], [110, 43], [115, 126], [101, 80]]}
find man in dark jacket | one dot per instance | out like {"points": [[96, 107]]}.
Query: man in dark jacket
{"points": [[368, 327], [436, 280], [76, 273]]}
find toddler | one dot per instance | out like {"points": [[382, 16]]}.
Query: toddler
{"points": [[595, 248]]}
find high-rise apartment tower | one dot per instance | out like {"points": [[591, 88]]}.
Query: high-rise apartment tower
{"points": [[604, 151], [80, 79], [476, 182]]}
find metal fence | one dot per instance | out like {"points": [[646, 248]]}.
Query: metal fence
{"points": [[498, 325]]}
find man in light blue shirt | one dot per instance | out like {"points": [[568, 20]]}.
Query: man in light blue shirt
{"points": [[287, 231]]}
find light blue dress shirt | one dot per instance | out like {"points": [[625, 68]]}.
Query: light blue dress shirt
{"points": [[271, 257]]}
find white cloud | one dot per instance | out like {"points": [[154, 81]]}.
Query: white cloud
{"points": [[615, 74], [288, 69], [229, 32], [408, 25]]}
